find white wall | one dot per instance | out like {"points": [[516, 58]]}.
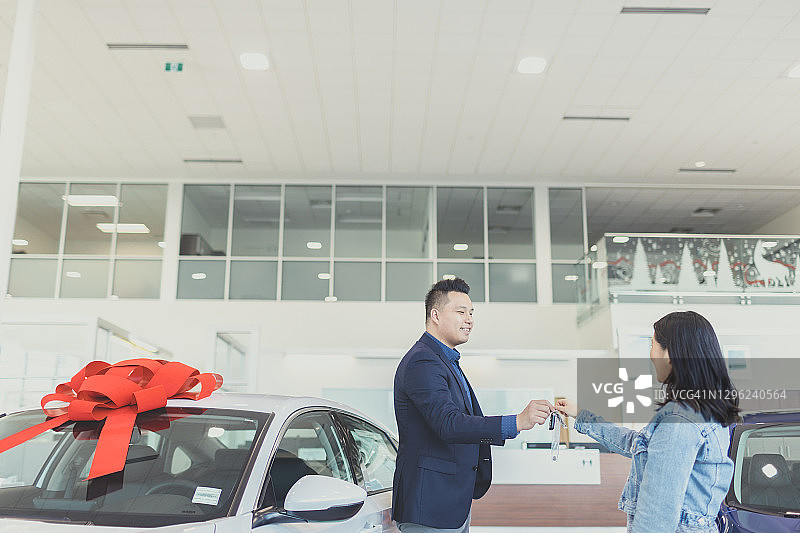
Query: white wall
{"points": [[306, 346]]}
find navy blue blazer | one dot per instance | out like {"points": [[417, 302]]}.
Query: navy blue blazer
{"points": [[444, 459]]}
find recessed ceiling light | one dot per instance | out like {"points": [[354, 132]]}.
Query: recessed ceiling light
{"points": [[213, 161], [597, 265], [700, 164], [19, 242], [122, 228], [448, 276], [73, 274], [666, 10], [769, 244], [311, 245], [706, 169], [92, 200], [621, 239], [705, 212], [460, 247], [324, 275], [199, 275], [593, 248], [331, 298], [147, 46], [254, 61], [571, 277], [532, 65], [597, 117], [207, 121], [794, 73], [508, 209]]}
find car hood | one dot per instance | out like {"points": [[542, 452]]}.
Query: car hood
{"points": [[10, 525]]}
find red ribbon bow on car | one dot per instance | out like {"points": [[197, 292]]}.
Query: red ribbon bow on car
{"points": [[117, 393]]}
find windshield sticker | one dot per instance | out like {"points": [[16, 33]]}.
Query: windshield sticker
{"points": [[206, 495]]}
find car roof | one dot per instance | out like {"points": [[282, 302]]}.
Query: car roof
{"points": [[282, 406], [264, 403], [771, 416]]}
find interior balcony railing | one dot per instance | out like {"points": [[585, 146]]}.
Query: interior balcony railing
{"points": [[688, 269]]}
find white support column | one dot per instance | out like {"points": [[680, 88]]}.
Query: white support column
{"points": [[172, 238], [541, 225], [13, 119]]}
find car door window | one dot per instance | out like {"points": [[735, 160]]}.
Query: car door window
{"points": [[309, 446], [376, 453], [767, 468]]}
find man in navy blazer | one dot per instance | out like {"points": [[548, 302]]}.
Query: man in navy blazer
{"points": [[444, 460]]}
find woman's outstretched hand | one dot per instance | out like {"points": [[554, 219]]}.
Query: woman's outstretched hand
{"points": [[567, 407]]}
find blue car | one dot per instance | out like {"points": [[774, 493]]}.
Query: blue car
{"points": [[765, 492]]}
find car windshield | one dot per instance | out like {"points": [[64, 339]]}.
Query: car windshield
{"points": [[767, 472], [183, 465]]}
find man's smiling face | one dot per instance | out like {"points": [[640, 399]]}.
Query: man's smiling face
{"points": [[454, 319]]}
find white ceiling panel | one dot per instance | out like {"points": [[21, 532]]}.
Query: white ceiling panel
{"points": [[418, 89]]}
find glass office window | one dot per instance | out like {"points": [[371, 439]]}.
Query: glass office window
{"points": [[307, 222], [357, 281], [408, 212], [459, 215], [203, 280], [408, 281], [137, 279], [566, 224], [359, 218], [204, 225], [142, 212], [256, 220], [40, 207], [305, 280], [512, 282], [84, 278], [472, 273], [510, 216], [90, 218], [32, 278], [254, 280], [567, 281]]}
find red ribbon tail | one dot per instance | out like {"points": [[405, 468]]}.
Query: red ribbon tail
{"points": [[27, 434], [112, 445]]}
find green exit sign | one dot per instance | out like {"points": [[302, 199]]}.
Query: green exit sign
{"points": [[173, 67]]}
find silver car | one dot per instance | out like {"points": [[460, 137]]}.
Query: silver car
{"points": [[228, 463]]}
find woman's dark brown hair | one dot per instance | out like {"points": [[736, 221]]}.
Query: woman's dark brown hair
{"points": [[699, 377]]}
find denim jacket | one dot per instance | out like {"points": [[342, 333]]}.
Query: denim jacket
{"points": [[680, 469]]}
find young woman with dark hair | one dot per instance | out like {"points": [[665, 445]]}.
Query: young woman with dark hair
{"points": [[680, 469]]}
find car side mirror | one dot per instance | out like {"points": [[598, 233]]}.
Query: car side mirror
{"points": [[324, 499]]}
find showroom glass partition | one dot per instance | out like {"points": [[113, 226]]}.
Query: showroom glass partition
{"points": [[315, 242], [88, 240], [567, 243], [356, 243]]}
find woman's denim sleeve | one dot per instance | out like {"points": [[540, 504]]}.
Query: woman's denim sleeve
{"points": [[616, 438], [671, 455]]}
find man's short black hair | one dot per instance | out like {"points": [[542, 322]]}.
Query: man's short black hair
{"points": [[437, 296]]}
